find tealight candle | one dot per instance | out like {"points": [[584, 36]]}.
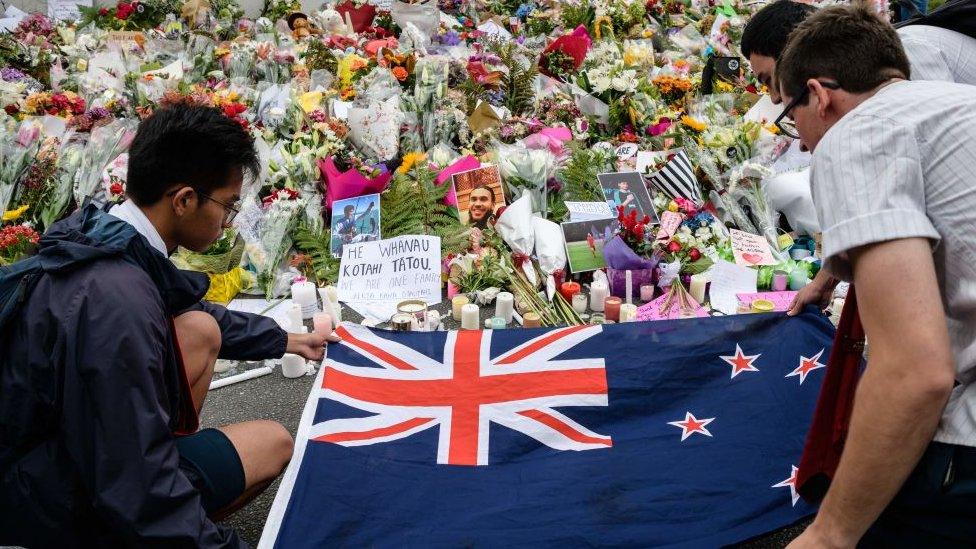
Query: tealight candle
{"points": [[579, 303], [647, 292], [457, 303], [497, 323], [322, 323], [295, 318], [505, 306], [780, 280], [292, 366], [611, 306], [469, 316], [628, 312], [303, 294], [417, 308], [598, 293], [531, 320], [569, 289], [697, 287]]}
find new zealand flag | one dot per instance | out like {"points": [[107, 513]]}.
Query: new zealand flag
{"points": [[672, 433]]}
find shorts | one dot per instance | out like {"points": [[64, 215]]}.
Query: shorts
{"points": [[210, 461]]}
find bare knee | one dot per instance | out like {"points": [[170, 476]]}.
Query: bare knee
{"points": [[281, 445], [198, 330], [264, 447]]}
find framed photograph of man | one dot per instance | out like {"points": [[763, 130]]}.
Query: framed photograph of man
{"points": [[480, 195], [355, 220], [626, 189]]}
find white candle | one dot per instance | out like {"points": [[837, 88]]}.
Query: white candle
{"points": [[303, 293], [598, 293], [628, 312], [330, 303], [697, 289], [505, 306], [579, 303], [295, 318], [629, 292], [292, 365], [457, 304], [322, 323], [433, 320], [470, 317]]}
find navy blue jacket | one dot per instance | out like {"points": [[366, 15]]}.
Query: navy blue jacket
{"points": [[92, 392]]}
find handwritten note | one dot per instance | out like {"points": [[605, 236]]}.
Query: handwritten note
{"points": [[729, 280], [647, 159], [588, 211], [626, 151], [781, 300], [750, 249], [670, 221], [652, 310], [405, 267], [66, 10]]}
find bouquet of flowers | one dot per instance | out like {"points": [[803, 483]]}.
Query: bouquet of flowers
{"points": [[17, 151], [565, 55], [16, 243], [106, 144]]}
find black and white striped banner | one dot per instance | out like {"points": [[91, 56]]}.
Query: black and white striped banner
{"points": [[677, 179]]}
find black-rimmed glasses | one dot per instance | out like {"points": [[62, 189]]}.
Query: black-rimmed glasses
{"points": [[785, 123], [230, 212]]}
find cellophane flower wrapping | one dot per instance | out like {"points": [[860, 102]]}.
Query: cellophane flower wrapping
{"points": [[526, 171], [516, 228], [70, 158], [549, 252], [350, 183], [375, 129], [16, 155], [620, 258], [424, 15], [105, 144], [265, 229]]}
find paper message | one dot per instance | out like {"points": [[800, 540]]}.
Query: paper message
{"points": [[653, 310], [395, 269], [626, 151], [750, 249], [341, 109], [729, 280], [781, 300], [588, 211], [670, 221], [66, 10], [647, 160]]}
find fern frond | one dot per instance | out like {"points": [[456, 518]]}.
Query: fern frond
{"points": [[579, 175], [519, 78], [317, 245]]}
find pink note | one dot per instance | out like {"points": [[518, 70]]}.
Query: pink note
{"points": [[652, 310], [781, 300], [670, 221]]}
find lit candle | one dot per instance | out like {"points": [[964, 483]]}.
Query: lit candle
{"points": [[292, 366], [628, 312], [498, 323], [569, 289], [579, 303], [457, 303], [598, 293], [469, 317], [647, 292], [629, 280], [322, 323], [295, 318], [505, 306], [303, 294], [531, 320], [697, 287], [611, 305]]}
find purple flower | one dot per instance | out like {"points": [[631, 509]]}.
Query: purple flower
{"points": [[10, 74], [99, 112], [450, 38]]}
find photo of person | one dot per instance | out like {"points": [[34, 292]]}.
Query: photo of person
{"points": [[355, 220], [480, 196], [584, 243], [626, 189]]}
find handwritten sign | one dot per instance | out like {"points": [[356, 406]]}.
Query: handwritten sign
{"points": [[66, 10], [727, 281], [670, 221], [127, 36], [653, 310], [588, 211], [395, 269], [750, 250], [781, 300], [626, 151]]}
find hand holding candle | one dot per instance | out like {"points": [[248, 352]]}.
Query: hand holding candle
{"points": [[310, 346]]}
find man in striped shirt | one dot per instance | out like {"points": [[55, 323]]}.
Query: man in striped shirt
{"points": [[892, 178]]}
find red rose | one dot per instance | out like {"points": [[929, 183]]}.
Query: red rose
{"points": [[103, 12], [694, 254], [11, 109], [674, 246], [638, 230], [124, 10], [116, 189]]}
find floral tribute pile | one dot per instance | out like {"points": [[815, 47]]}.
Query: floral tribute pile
{"points": [[352, 100]]}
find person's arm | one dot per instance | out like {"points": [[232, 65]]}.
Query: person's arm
{"points": [[901, 396], [247, 336], [118, 395], [818, 291], [927, 61]]}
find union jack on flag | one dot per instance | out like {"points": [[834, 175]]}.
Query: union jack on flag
{"points": [[465, 392], [670, 433]]}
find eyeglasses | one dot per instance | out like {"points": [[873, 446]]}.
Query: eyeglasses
{"points": [[786, 124], [230, 212]]}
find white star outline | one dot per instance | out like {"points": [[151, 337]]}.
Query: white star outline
{"points": [[690, 418], [804, 372], [791, 483], [740, 356]]}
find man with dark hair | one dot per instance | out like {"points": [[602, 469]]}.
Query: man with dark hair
{"points": [[481, 206], [109, 352], [765, 36], [892, 175]]}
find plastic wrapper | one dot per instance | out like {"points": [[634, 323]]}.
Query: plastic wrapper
{"points": [[272, 107], [350, 183], [527, 171], [424, 15], [16, 155], [105, 144], [265, 230], [206, 263], [70, 158], [549, 252], [375, 129], [515, 227], [620, 259], [431, 81]]}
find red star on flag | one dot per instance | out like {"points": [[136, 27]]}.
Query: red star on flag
{"points": [[807, 365], [791, 484], [692, 425], [740, 362]]}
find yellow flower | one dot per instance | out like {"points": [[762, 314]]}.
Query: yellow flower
{"points": [[772, 128], [693, 123], [409, 160], [11, 215], [310, 101], [724, 87], [672, 206]]}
